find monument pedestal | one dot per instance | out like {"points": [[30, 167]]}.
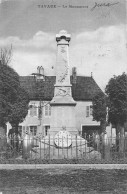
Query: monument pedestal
{"points": [[63, 118]]}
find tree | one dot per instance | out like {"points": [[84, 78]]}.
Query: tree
{"points": [[100, 109], [116, 91], [19, 109], [9, 84], [13, 98], [17, 113]]}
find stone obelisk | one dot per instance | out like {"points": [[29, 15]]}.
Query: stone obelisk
{"points": [[62, 104]]}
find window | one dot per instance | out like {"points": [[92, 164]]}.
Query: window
{"points": [[89, 111], [47, 110], [33, 130], [25, 129], [33, 111], [47, 129]]}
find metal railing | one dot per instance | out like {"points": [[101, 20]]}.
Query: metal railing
{"points": [[60, 147]]}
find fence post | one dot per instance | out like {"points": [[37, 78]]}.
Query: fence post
{"points": [[106, 147], [67, 147], [71, 146], [58, 145], [26, 146], [85, 144], [76, 148], [53, 140], [44, 148], [49, 146], [80, 149], [121, 142], [40, 149], [89, 144], [62, 148], [124, 147], [36, 149]]}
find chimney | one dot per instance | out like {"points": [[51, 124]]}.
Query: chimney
{"points": [[74, 75], [40, 73]]}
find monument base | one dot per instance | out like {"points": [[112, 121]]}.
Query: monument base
{"points": [[63, 118]]}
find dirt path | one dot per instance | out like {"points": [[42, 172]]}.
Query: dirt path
{"points": [[61, 166]]}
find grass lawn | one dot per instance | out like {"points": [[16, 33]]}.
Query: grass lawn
{"points": [[63, 181]]}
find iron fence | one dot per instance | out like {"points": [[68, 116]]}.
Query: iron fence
{"points": [[61, 147]]}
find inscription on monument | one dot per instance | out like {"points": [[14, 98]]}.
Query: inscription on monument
{"points": [[64, 62], [63, 91]]}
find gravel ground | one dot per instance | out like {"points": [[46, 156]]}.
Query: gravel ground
{"points": [[63, 181]]}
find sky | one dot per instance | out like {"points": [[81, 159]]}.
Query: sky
{"points": [[98, 35]]}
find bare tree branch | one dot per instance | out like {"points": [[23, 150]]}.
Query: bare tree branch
{"points": [[6, 55]]}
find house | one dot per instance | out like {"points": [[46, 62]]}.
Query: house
{"points": [[41, 92]]}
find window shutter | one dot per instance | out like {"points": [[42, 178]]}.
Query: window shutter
{"points": [[91, 110], [46, 110], [87, 111], [49, 110]]}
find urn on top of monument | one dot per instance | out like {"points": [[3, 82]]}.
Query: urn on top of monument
{"points": [[62, 62]]}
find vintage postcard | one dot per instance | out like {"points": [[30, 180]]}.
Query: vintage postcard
{"points": [[64, 52]]}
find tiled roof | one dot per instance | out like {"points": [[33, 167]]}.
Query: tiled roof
{"points": [[84, 89]]}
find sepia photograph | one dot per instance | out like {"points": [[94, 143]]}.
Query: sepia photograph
{"points": [[63, 96]]}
